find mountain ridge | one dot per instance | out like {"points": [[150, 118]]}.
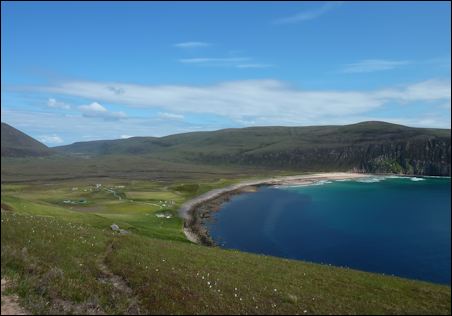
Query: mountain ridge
{"points": [[15, 143], [372, 147]]}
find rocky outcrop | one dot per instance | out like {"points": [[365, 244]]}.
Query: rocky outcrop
{"points": [[430, 156]]}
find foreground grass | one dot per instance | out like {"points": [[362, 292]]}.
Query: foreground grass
{"points": [[175, 278], [56, 255], [54, 265]]}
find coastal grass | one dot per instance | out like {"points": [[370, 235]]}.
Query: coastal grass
{"points": [[172, 277], [53, 265], [51, 251]]}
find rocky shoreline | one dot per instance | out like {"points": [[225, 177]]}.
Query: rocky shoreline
{"points": [[198, 215], [198, 210]]}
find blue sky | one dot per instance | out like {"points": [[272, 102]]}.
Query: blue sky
{"points": [[104, 70]]}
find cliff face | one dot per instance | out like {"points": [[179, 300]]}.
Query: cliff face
{"points": [[430, 156]]}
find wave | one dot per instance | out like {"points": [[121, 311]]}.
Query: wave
{"points": [[417, 179], [294, 186], [439, 177], [290, 186], [370, 180], [321, 182]]}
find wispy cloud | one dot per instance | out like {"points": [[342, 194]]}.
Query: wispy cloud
{"points": [[97, 110], [255, 66], [372, 65], [170, 116], [192, 44], [309, 14], [70, 129], [236, 62], [50, 139], [53, 103], [228, 104], [265, 101], [429, 90]]}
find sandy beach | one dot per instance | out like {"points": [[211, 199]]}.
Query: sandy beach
{"points": [[195, 210]]}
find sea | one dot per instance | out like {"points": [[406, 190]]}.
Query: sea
{"points": [[385, 224]]}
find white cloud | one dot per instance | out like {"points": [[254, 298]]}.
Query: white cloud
{"points": [[93, 108], [170, 116], [192, 44], [97, 110], [53, 103], [125, 136], [72, 129], [238, 100], [50, 139], [309, 14], [429, 90], [371, 65]]}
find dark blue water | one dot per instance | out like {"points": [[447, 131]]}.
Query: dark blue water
{"points": [[395, 226]]}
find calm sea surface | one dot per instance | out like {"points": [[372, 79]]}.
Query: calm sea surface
{"points": [[398, 226]]}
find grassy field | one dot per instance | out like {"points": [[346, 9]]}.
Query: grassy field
{"points": [[62, 257], [134, 206]]}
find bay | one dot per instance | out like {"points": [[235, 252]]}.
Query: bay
{"points": [[396, 226]]}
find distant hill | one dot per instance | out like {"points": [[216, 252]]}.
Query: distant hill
{"points": [[18, 144], [368, 147]]}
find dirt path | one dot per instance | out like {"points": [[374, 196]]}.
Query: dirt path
{"points": [[109, 277], [114, 193], [10, 305]]}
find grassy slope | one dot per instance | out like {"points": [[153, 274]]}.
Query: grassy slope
{"points": [[17, 144], [52, 251], [118, 166], [255, 139], [368, 146]]}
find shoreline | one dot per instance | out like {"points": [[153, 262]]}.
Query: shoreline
{"points": [[195, 211]]}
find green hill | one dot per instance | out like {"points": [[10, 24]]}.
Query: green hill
{"points": [[367, 146], [17, 144]]}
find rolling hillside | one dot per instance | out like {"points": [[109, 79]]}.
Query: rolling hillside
{"points": [[367, 146], [17, 144]]}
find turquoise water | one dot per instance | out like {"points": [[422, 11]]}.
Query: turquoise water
{"points": [[395, 226]]}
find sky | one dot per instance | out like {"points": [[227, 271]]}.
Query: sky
{"points": [[80, 71]]}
